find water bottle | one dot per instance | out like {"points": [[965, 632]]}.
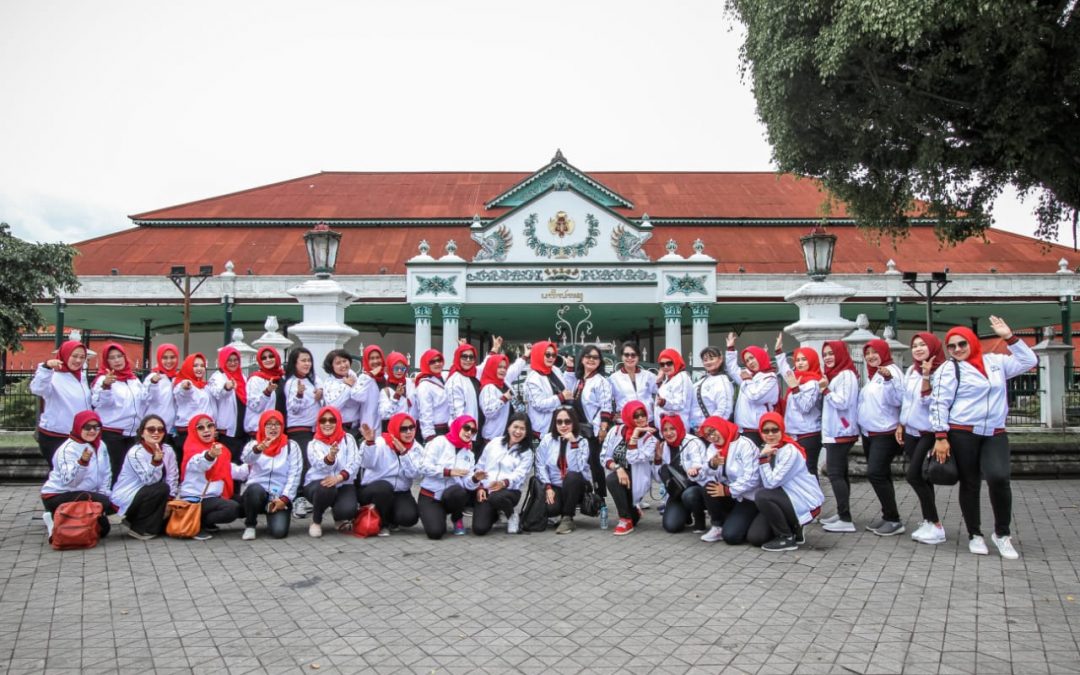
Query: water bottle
{"points": [[663, 492], [603, 517]]}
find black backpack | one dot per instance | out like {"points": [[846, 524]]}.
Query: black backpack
{"points": [[534, 509]]}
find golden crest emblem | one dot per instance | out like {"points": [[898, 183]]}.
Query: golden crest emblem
{"points": [[561, 224]]}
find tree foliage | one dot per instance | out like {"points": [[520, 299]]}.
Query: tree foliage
{"points": [[941, 101], [28, 273]]}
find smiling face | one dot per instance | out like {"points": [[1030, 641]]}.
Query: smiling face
{"points": [[500, 370], [828, 357], [232, 363], [272, 429], [90, 431], [303, 364], [407, 431], [153, 432], [641, 418], [563, 423], [76, 359], [327, 423], [199, 366], [169, 359], [751, 363], [873, 359], [468, 359], [116, 359], [801, 362], [590, 360], [671, 434], [206, 430], [374, 360], [771, 433], [341, 366], [712, 435], [712, 363], [268, 360], [920, 351], [959, 347], [630, 359], [467, 432], [516, 431]]}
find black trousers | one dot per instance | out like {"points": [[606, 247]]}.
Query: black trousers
{"points": [[53, 502], [595, 467], [981, 458], [812, 444], [691, 503], [146, 513], [48, 444], [235, 444], [623, 496], [117, 444], [485, 513], [739, 519], [916, 448], [880, 450], [395, 508], [178, 447], [433, 512], [255, 500], [218, 511], [836, 465], [302, 436], [341, 500], [778, 511], [568, 495]]}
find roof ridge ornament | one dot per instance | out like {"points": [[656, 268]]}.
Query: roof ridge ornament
{"points": [[559, 157]]}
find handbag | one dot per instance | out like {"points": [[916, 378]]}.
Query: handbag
{"points": [[590, 503], [940, 473], [185, 518], [367, 522], [75, 524], [675, 480]]}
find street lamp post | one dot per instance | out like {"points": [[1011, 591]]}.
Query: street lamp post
{"points": [[934, 285], [228, 299], [178, 274], [818, 248]]}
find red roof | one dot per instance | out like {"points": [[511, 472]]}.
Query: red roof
{"points": [[761, 248], [341, 195]]}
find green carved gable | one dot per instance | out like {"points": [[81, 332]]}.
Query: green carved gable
{"points": [[559, 175]]}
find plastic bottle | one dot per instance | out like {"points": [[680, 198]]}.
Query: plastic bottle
{"points": [[603, 517]]}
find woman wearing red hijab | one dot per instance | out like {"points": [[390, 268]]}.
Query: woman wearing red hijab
{"points": [[373, 379], [839, 428], [398, 393], [119, 397], [731, 482], [968, 408], [449, 477], [914, 432], [262, 387], [80, 467], [432, 401], [630, 453], [207, 473], [686, 454], [545, 386], [789, 497], [675, 393], [759, 390], [802, 405], [879, 415], [391, 462], [228, 388], [330, 483], [159, 387], [274, 466], [64, 393], [192, 398]]}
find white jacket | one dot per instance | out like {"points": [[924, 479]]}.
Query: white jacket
{"points": [[301, 411], [191, 402], [69, 475], [977, 401], [139, 471], [641, 387], [159, 400], [789, 472], [64, 396], [226, 404], [390, 406], [496, 410], [380, 462], [504, 465], [340, 395], [541, 399], [440, 457], [547, 459], [880, 401], [719, 397], [366, 391], [278, 475], [757, 396], [802, 413], [677, 394], [347, 460], [121, 405], [432, 406], [739, 471], [258, 402], [915, 410], [840, 408], [692, 456], [640, 460], [195, 477], [464, 395], [596, 401]]}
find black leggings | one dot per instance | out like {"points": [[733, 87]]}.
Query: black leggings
{"points": [[775, 505], [916, 448], [623, 496], [485, 513], [596, 468], [741, 520], [218, 511], [812, 444], [302, 436], [836, 465], [567, 496], [146, 513], [433, 512], [341, 500], [117, 444], [54, 502], [395, 508], [981, 458], [880, 450], [690, 503]]}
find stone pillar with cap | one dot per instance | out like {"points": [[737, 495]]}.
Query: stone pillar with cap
{"points": [[422, 329], [699, 311], [451, 312], [1052, 383], [856, 341], [273, 338]]}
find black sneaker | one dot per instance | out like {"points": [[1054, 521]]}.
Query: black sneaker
{"points": [[781, 544], [800, 536], [212, 529], [203, 535]]}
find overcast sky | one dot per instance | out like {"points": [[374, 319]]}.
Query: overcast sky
{"points": [[113, 108]]}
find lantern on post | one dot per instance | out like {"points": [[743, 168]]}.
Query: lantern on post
{"points": [[322, 249], [818, 247]]}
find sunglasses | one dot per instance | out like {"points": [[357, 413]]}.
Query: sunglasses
{"points": [[400, 369], [269, 357], [591, 357], [273, 423], [327, 420], [666, 364], [770, 430], [154, 430], [629, 355], [438, 360], [406, 428], [205, 427], [953, 346], [549, 355], [563, 421], [710, 433], [91, 427], [470, 428], [469, 356], [640, 414]]}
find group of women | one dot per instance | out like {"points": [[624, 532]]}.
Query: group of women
{"points": [[737, 450]]}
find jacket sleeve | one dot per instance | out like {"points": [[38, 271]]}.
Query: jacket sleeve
{"points": [[456, 394], [776, 476], [435, 463], [491, 401], [515, 369], [142, 464], [341, 392], [604, 398], [894, 388], [352, 466], [257, 401], [611, 441], [100, 397], [843, 390], [317, 452], [247, 455], [41, 384], [762, 388], [1020, 359], [68, 468], [644, 452], [723, 397], [172, 471], [942, 394], [216, 386], [541, 459], [675, 395], [806, 397], [521, 471], [537, 398], [731, 364], [749, 478], [425, 409], [362, 388], [296, 466]]}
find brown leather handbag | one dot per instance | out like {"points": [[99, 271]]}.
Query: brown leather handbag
{"points": [[75, 524], [185, 518]]}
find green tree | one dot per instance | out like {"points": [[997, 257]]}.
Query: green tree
{"points": [[943, 101], [28, 273]]}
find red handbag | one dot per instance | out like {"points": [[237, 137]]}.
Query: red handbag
{"points": [[75, 524], [367, 523]]}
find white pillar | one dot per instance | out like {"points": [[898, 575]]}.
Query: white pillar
{"points": [[673, 326], [450, 314], [856, 341], [819, 313], [323, 328], [422, 334], [700, 313], [1052, 383]]}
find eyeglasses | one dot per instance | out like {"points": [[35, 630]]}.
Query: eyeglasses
{"points": [[770, 430], [327, 420], [470, 428], [640, 414], [468, 356], [954, 346], [91, 427], [591, 357], [666, 364], [152, 430], [406, 428], [629, 355], [399, 369], [205, 427], [269, 357], [436, 360], [563, 421], [549, 355], [710, 433], [273, 423]]}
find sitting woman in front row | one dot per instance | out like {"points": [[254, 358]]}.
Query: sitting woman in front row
{"points": [[147, 478], [685, 454], [506, 462], [331, 480], [390, 463], [80, 466], [790, 496], [630, 453], [731, 484], [275, 464], [207, 474], [448, 470], [562, 466]]}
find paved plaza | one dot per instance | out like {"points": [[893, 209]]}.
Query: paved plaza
{"points": [[586, 602]]}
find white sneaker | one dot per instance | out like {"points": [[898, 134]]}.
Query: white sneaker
{"points": [[921, 530], [933, 535], [977, 545], [314, 530], [839, 526], [513, 524], [249, 534], [830, 519], [301, 508], [47, 519], [644, 505], [384, 532], [715, 533], [1005, 547]]}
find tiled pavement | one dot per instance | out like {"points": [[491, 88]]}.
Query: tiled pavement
{"points": [[587, 602]]}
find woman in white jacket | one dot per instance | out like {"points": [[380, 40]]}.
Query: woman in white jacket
{"points": [[630, 453], [713, 394], [879, 416], [159, 388], [683, 453], [390, 462], [262, 387], [228, 388], [80, 467], [914, 432], [143, 487], [802, 402], [545, 386], [731, 482], [192, 399], [449, 476], [562, 467], [64, 392], [207, 474], [759, 390], [119, 397], [592, 399], [839, 428], [496, 394], [274, 462], [675, 393], [432, 400], [331, 481], [789, 497], [631, 382], [505, 464], [398, 394]]}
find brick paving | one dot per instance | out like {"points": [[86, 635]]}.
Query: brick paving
{"points": [[587, 602]]}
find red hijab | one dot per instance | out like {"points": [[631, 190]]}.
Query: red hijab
{"points": [[778, 419], [187, 372], [237, 376], [425, 366], [64, 353], [628, 418], [81, 418], [272, 374], [380, 379], [457, 367], [159, 368], [811, 374], [491, 372], [975, 357], [393, 430], [882, 349], [393, 359], [937, 351], [124, 373], [221, 469], [334, 436], [765, 364], [675, 357], [841, 359], [275, 446], [680, 430], [536, 357], [728, 429], [455, 432]]}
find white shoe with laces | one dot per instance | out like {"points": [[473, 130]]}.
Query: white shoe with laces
{"points": [[48, 520], [830, 519], [249, 534], [977, 545], [934, 535], [1005, 547], [715, 533], [513, 524], [921, 530]]}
